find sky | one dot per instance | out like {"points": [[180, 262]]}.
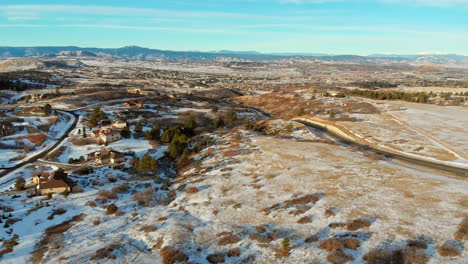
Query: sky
{"points": [[270, 26]]}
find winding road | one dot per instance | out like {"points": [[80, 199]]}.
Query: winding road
{"points": [[348, 139]]}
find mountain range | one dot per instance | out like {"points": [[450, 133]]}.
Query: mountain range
{"points": [[140, 53]]}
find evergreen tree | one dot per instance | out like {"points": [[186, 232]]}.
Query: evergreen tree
{"points": [[19, 184]]}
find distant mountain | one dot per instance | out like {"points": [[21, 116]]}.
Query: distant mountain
{"points": [[139, 53]]}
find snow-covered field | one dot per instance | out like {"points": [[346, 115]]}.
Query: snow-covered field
{"points": [[246, 185], [12, 156], [428, 131]]}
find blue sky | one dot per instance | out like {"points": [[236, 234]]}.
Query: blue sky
{"points": [[301, 26]]}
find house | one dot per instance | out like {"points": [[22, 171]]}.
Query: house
{"points": [[104, 122], [106, 135], [55, 182], [134, 91], [106, 156], [127, 115], [40, 111], [119, 123], [137, 103], [6, 128]]}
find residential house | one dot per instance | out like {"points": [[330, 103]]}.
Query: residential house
{"points": [[119, 123], [134, 91], [106, 156], [106, 135], [136, 103], [40, 111], [55, 182], [6, 128]]}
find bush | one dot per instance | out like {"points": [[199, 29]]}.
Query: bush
{"points": [[234, 252], [172, 255], [330, 212], [192, 190], [145, 197], [228, 239], [112, 208], [19, 184], [121, 188], [339, 257], [216, 258], [91, 203], [107, 194], [358, 224], [331, 244], [451, 248], [305, 220], [148, 228], [285, 247]]}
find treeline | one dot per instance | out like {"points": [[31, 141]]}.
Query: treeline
{"points": [[420, 97], [375, 84]]}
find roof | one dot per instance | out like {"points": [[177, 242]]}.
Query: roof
{"points": [[53, 183]]}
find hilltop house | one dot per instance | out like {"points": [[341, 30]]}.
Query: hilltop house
{"points": [[55, 182], [119, 123], [40, 111], [6, 128], [106, 156], [106, 135], [138, 103]]}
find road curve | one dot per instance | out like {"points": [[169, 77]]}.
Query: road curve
{"points": [[46, 151], [346, 138]]}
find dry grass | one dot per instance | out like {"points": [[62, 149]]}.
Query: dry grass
{"points": [[58, 211], [53, 234], [145, 197], [121, 188], [351, 243], [339, 257], [103, 253], [234, 252], [462, 232], [37, 139], [305, 220], [216, 258], [227, 239], [171, 255], [451, 248], [148, 228], [104, 194], [410, 255], [358, 224], [330, 212], [78, 141], [192, 190], [331, 244]]}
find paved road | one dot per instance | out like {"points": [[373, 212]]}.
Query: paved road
{"points": [[46, 151], [343, 137]]}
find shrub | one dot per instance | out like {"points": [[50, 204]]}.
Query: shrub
{"points": [[351, 243], [91, 203], [107, 194], [148, 228], [49, 196], [144, 197], [216, 258], [192, 190], [305, 220], [331, 244], [112, 208], [119, 213], [358, 224], [96, 222], [339, 257], [172, 255], [228, 239], [408, 254], [19, 184], [330, 212], [311, 239], [121, 188], [285, 247], [234, 252], [451, 248], [260, 229]]}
